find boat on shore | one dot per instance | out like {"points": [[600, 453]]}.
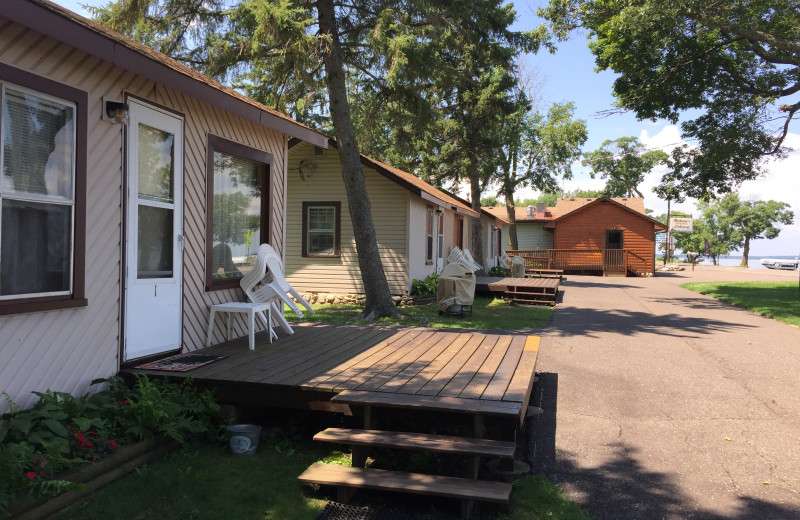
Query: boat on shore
{"points": [[784, 264]]}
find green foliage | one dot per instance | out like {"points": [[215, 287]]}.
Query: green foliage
{"points": [[777, 300], [204, 481], [61, 431], [426, 286], [487, 314], [534, 497], [733, 66], [498, 270], [489, 201], [623, 163]]}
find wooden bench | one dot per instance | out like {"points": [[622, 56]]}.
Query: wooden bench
{"points": [[418, 483]]}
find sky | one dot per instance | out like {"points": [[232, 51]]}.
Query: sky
{"points": [[568, 75]]}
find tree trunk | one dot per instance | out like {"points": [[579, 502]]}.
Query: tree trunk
{"points": [[477, 229], [378, 297], [745, 252], [512, 218]]}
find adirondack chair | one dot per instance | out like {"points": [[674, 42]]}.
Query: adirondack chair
{"points": [[505, 260]]}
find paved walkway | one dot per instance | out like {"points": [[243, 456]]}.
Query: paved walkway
{"points": [[662, 403]]}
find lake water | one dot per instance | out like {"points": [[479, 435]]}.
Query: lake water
{"points": [[753, 261]]}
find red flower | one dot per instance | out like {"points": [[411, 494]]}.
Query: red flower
{"points": [[113, 444], [31, 475], [43, 473]]}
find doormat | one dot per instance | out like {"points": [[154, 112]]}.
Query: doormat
{"points": [[180, 362]]}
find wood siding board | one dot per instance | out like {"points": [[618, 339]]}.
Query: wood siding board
{"points": [[460, 381], [431, 372], [392, 365], [487, 370], [444, 340], [328, 359], [374, 365], [497, 387], [453, 367], [521, 382], [355, 366]]}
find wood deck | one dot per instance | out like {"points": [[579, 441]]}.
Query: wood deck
{"points": [[522, 290], [456, 370]]}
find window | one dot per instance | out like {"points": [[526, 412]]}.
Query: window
{"points": [[238, 210], [429, 236], [322, 224], [42, 193]]}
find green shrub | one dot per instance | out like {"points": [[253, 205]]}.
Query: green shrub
{"points": [[426, 286], [498, 270], [62, 431]]}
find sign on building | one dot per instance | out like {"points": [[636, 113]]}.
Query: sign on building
{"points": [[681, 224], [661, 237]]}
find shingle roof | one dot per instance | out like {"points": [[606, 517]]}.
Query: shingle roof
{"points": [[407, 180], [564, 206], [520, 214], [418, 183], [48, 18], [632, 205]]}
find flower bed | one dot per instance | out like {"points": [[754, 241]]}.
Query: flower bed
{"points": [[39, 446]]}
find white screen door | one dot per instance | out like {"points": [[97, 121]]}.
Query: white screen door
{"points": [[439, 241], [154, 244]]}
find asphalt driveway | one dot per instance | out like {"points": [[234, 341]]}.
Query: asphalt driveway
{"points": [[662, 403]]}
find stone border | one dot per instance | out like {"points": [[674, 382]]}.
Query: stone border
{"points": [[94, 476], [360, 299]]}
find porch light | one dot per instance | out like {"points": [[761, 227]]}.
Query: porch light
{"points": [[116, 112]]}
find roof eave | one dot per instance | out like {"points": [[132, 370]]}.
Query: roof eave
{"points": [[41, 18]]}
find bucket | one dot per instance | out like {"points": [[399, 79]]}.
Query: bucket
{"points": [[244, 439]]}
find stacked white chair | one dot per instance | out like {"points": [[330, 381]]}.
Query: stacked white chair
{"points": [[266, 283], [458, 256]]}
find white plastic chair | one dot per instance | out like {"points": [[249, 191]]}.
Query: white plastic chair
{"points": [[254, 285], [277, 282], [471, 263]]}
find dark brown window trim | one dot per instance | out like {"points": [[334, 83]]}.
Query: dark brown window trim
{"points": [[337, 241], [81, 100], [220, 144]]}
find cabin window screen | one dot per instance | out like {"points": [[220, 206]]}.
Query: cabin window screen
{"points": [[429, 236], [238, 210], [322, 228], [38, 194]]}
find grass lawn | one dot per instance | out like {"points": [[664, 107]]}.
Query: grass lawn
{"points": [[778, 300], [203, 481], [487, 313]]}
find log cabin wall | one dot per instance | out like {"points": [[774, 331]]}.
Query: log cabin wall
{"points": [[586, 229]]}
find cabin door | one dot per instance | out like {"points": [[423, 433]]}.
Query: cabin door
{"points": [[154, 232]]}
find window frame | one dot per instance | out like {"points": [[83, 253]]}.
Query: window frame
{"points": [[37, 85], [220, 144], [429, 235], [337, 239]]}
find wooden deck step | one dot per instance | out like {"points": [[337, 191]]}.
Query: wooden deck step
{"points": [[429, 402], [418, 441], [365, 478]]}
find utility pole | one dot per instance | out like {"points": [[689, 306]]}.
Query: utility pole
{"points": [[669, 234]]}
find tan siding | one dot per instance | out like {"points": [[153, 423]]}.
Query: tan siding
{"points": [[343, 275], [417, 267], [530, 236], [65, 350]]}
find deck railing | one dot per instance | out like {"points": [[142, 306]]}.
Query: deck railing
{"points": [[619, 261]]}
